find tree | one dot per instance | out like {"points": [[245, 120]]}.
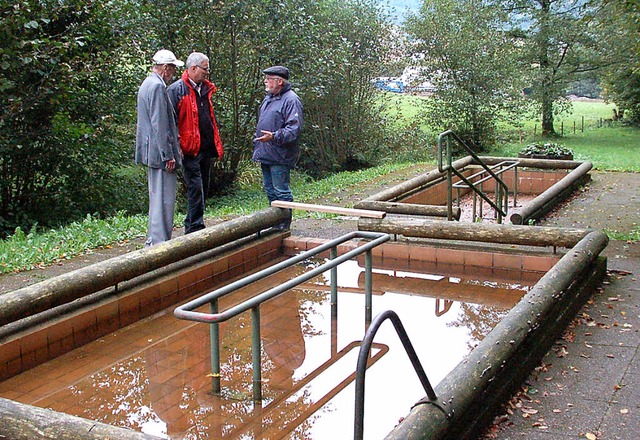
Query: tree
{"points": [[561, 45], [618, 29], [70, 69], [65, 93], [472, 63], [331, 47]]}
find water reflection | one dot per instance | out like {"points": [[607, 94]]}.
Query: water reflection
{"points": [[154, 376]]}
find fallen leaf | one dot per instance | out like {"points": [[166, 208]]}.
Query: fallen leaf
{"points": [[624, 411], [591, 436]]}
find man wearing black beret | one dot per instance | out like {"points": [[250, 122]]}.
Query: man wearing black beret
{"points": [[276, 142]]}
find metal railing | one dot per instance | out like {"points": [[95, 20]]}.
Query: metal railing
{"points": [[363, 360], [501, 191], [214, 317], [481, 177]]}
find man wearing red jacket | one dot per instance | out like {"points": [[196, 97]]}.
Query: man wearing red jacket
{"points": [[198, 131]]}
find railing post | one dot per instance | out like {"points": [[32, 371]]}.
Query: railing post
{"points": [[256, 353], [515, 186], [449, 182], [368, 286], [333, 254], [214, 334]]}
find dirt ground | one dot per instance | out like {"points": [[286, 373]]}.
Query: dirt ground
{"points": [[611, 201]]}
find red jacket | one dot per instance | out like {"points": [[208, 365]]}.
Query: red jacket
{"points": [[183, 98]]}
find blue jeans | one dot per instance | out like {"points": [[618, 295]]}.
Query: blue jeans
{"points": [[275, 181], [196, 178]]}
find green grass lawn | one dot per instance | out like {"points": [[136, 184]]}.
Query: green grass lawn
{"points": [[615, 148], [609, 146]]}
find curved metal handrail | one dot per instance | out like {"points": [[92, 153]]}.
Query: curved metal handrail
{"points": [[363, 358]]}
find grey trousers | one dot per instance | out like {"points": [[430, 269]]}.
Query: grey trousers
{"points": [[162, 202]]}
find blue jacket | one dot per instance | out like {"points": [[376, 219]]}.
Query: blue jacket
{"points": [[156, 133], [282, 115]]}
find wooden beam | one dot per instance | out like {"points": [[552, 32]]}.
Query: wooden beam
{"points": [[19, 421], [481, 232], [330, 209], [408, 208], [70, 286]]}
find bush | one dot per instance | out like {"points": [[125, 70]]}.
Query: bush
{"points": [[546, 149]]}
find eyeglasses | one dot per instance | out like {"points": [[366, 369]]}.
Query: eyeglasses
{"points": [[272, 78], [206, 70]]}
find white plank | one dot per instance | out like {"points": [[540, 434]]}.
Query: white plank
{"points": [[331, 209]]}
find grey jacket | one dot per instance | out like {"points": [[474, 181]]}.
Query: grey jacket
{"points": [[157, 134]]}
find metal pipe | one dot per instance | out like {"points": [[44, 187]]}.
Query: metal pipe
{"points": [[185, 311], [333, 254], [368, 286], [256, 353], [214, 334], [535, 163], [214, 317], [363, 359]]}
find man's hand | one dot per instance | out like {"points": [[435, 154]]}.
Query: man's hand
{"points": [[267, 136], [170, 165]]}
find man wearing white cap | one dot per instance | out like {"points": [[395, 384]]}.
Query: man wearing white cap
{"points": [[157, 145]]}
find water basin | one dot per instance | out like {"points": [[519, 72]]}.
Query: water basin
{"points": [[154, 376]]}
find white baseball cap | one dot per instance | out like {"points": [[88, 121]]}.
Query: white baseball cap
{"points": [[165, 56]]}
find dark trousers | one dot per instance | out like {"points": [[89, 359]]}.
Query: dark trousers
{"points": [[196, 178]]}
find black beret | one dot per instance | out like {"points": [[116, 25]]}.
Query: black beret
{"points": [[280, 71]]}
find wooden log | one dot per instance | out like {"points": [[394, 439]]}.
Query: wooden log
{"points": [[330, 209], [25, 422], [68, 287], [469, 395], [488, 233], [408, 208], [406, 188], [536, 207]]}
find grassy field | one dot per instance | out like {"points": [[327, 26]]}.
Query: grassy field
{"points": [[615, 148], [587, 130]]}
